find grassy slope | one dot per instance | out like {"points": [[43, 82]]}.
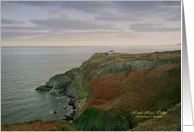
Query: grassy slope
{"points": [[99, 57], [153, 89], [38, 125]]}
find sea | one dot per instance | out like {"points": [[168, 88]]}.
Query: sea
{"points": [[23, 69]]}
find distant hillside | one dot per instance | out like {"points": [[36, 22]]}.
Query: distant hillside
{"points": [[122, 92]]}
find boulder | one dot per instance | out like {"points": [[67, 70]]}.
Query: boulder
{"points": [[70, 117], [53, 92]]}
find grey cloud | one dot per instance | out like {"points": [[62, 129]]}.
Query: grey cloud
{"points": [[10, 5], [41, 3], [175, 18], [21, 28], [7, 6], [70, 24], [91, 7], [11, 34], [11, 21], [136, 6], [138, 27], [59, 6], [66, 16], [151, 9], [137, 10], [116, 18], [60, 35], [172, 3]]}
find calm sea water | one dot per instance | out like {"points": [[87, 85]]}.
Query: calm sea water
{"points": [[25, 68]]}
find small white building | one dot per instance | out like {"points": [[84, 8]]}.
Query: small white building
{"points": [[110, 52]]}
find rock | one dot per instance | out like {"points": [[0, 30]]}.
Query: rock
{"points": [[61, 81], [55, 112], [43, 88], [74, 107], [70, 117], [62, 90], [71, 102], [53, 92]]}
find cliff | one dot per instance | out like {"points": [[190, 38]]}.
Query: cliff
{"points": [[123, 92], [73, 81]]}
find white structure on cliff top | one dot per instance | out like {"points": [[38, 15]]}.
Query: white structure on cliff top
{"points": [[110, 52]]}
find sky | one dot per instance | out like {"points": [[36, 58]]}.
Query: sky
{"points": [[90, 23]]}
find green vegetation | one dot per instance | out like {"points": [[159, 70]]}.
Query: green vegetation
{"points": [[99, 57], [100, 119]]}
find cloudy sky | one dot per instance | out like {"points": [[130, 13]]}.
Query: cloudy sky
{"points": [[90, 23]]}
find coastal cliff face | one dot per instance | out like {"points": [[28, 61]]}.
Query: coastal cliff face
{"points": [[61, 81], [73, 81], [122, 92]]}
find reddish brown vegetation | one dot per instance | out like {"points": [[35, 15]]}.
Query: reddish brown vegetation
{"points": [[38, 125], [103, 92], [156, 88]]}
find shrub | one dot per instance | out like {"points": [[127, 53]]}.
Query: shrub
{"points": [[99, 119]]}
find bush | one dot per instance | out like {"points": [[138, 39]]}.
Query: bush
{"points": [[99, 119]]}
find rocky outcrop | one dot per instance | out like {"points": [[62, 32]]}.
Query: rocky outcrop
{"points": [[60, 81], [53, 92], [43, 88]]}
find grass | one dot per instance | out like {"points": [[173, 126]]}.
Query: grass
{"points": [[100, 119], [39, 125], [99, 57]]}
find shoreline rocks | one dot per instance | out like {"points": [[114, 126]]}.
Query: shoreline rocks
{"points": [[43, 88], [72, 103]]}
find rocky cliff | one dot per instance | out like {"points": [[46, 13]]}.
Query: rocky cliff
{"points": [[60, 81], [73, 81]]}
